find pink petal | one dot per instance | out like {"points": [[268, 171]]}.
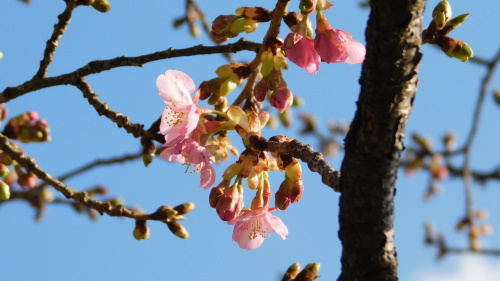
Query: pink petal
{"points": [[356, 52], [175, 86]]}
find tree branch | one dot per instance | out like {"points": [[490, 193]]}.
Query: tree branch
{"points": [[98, 66], [122, 121], [53, 42], [82, 197]]}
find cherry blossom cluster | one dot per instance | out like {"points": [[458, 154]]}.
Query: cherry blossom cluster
{"points": [[197, 137], [330, 45], [27, 127]]}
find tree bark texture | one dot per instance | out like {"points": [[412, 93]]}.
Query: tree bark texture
{"points": [[374, 143]]}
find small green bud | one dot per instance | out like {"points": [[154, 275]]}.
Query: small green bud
{"points": [[455, 48], [102, 6], [185, 208], [442, 9], [4, 170], [141, 230], [453, 23], [4, 191], [309, 272]]}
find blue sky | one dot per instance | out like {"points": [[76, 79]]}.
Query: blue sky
{"points": [[68, 246]]}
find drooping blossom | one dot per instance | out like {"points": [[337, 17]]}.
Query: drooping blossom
{"points": [[300, 50], [251, 228], [181, 116], [335, 45], [189, 152]]}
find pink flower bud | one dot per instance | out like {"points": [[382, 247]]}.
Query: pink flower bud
{"points": [[230, 203], [300, 50], [335, 45], [282, 98]]}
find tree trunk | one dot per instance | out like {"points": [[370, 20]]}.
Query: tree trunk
{"points": [[375, 140]]}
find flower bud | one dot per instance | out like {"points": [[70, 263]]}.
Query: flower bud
{"points": [[102, 6], [291, 272], [307, 6], [26, 180], [455, 48], [291, 189], [205, 89], [309, 272], [453, 23], [148, 151], [4, 170], [141, 230], [185, 208], [442, 12], [281, 98], [230, 203], [177, 229], [4, 191]]}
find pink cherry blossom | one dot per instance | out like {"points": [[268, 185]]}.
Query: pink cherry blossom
{"points": [[181, 116], [251, 228], [300, 50], [335, 45], [189, 152]]}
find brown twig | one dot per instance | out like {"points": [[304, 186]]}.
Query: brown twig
{"points": [[53, 42], [296, 149], [82, 197], [95, 164], [122, 121], [98, 66], [274, 28]]}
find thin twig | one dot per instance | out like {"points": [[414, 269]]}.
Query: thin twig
{"points": [[82, 197], [122, 121], [98, 66], [53, 42], [274, 28], [96, 164]]}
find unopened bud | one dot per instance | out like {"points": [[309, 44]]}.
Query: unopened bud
{"points": [[307, 6], [4, 191], [102, 6], [291, 272], [148, 151], [453, 23], [185, 208], [177, 229], [4, 170], [309, 272], [281, 98], [141, 230], [442, 11]]}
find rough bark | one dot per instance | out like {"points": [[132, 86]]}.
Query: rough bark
{"points": [[375, 140]]}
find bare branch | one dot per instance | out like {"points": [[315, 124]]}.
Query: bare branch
{"points": [[82, 197], [137, 130], [296, 149], [53, 42], [98, 66]]}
